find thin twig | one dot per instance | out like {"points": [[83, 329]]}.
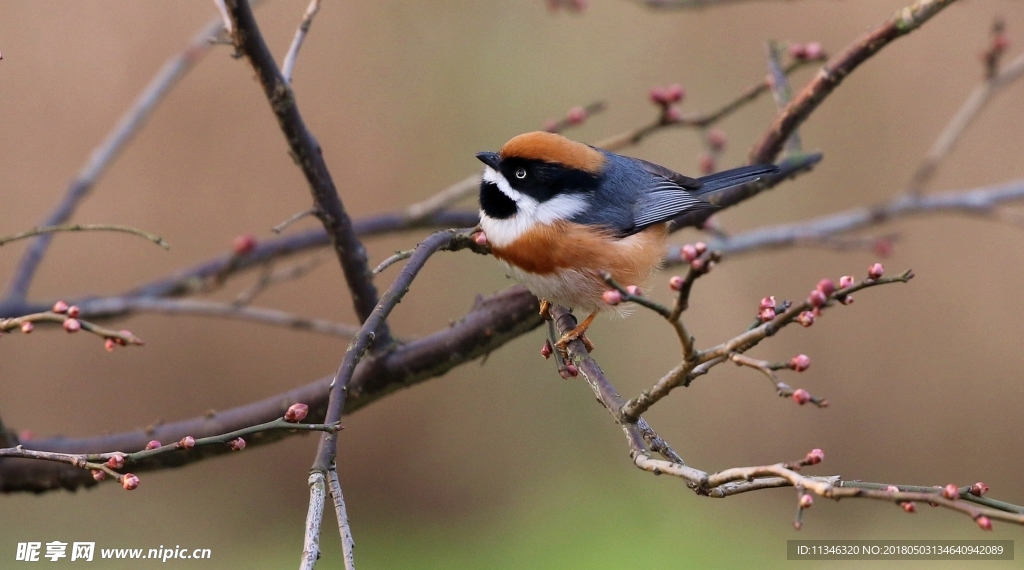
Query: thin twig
{"points": [[739, 344], [447, 239], [195, 307], [41, 230], [292, 219], [398, 256], [300, 35], [314, 517], [347, 543]]}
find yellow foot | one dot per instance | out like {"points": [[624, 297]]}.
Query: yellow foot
{"points": [[545, 309], [577, 333]]}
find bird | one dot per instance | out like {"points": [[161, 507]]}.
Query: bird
{"points": [[557, 213]]}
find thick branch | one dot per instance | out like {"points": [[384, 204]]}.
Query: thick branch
{"points": [[491, 323]]}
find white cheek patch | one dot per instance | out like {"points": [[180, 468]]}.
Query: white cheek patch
{"points": [[529, 213]]}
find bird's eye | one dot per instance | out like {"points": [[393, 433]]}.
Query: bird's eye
{"points": [[521, 173]]}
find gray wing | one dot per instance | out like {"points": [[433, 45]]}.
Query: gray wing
{"points": [[662, 201], [679, 179]]}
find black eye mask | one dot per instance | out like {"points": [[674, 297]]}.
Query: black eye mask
{"points": [[495, 203]]}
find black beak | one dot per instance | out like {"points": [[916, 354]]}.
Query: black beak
{"points": [[490, 159]]}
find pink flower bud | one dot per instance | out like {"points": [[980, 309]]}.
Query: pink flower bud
{"points": [[876, 271], [675, 93], [826, 286], [188, 442], [766, 315], [675, 283], [806, 500], [909, 506], [27, 327], [98, 474], [576, 115], [72, 325], [74, 311], [817, 298], [570, 371], [658, 96], [716, 139], [480, 238], [701, 247], [243, 244], [813, 50], [706, 163], [800, 362], [109, 345], [797, 51], [296, 413], [801, 396], [634, 290], [805, 319], [892, 489], [797, 525], [697, 264], [846, 299], [60, 307], [814, 457], [547, 350], [951, 492], [130, 482], [688, 252], [237, 444], [767, 303], [154, 444], [978, 489], [846, 281], [611, 297], [115, 462], [984, 522], [673, 114], [1000, 43]]}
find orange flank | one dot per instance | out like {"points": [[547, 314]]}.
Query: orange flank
{"points": [[550, 249]]}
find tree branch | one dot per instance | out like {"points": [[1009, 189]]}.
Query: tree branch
{"points": [[832, 74], [308, 156]]}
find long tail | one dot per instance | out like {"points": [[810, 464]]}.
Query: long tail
{"points": [[734, 177]]}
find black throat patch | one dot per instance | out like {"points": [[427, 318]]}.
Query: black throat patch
{"points": [[495, 203]]}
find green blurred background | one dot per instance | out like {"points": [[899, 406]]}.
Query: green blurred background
{"points": [[503, 464]]}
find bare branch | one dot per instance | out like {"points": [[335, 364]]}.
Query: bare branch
{"points": [[983, 202], [491, 323], [306, 151], [300, 35], [84, 228], [347, 543], [832, 74], [195, 307]]}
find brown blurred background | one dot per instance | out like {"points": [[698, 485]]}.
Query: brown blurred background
{"points": [[504, 464]]}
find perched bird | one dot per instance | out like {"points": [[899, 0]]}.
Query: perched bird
{"points": [[558, 212]]}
